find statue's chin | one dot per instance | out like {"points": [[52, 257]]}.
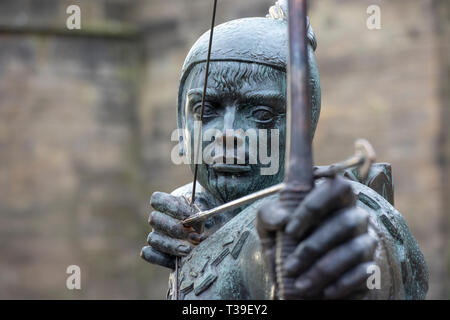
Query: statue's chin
{"points": [[228, 187]]}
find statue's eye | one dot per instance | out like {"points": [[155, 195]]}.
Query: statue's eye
{"points": [[262, 115], [208, 111]]}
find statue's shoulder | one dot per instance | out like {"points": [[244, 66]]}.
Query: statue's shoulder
{"points": [[375, 195], [379, 179]]}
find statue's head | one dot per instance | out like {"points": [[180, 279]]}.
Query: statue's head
{"points": [[246, 92]]}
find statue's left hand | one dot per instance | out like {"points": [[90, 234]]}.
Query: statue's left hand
{"points": [[334, 248]]}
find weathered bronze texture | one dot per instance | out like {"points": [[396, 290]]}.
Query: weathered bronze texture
{"points": [[342, 227]]}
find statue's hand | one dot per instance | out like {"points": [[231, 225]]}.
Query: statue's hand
{"points": [[334, 247], [169, 238]]}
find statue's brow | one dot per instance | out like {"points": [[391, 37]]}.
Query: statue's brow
{"points": [[199, 92], [265, 95], [254, 96]]}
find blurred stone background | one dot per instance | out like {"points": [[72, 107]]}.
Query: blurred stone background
{"points": [[86, 117]]}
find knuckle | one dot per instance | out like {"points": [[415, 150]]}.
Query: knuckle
{"points": [[151, 218], [153, 256], [368, 240], [355, 220], [366, 245], [309, 249], [344, 186], [146, 254], [154, 197], [363, 240], [149, 238], [143, 252], [305, 213], [321, 271], [152, 239], [147, 257], [264, 214], [348, 218], [261, 213], [362, 215], [271, 217], [345, 282], [373, 243], [341, 185]]}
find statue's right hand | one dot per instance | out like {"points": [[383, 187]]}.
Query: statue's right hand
{"points": [[169, 238]]}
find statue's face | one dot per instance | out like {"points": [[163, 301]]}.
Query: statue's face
{"points": [[240, 97]]}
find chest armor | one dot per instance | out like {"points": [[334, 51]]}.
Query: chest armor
{"points": [[217, 267], [228, 265]]}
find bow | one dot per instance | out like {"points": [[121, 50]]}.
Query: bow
{"points": [[299, 179]]}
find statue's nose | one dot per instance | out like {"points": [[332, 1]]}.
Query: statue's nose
{"points": [[229, 118], [230, 134]]}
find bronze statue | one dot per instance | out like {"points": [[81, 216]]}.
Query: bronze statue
{"points": [[345, 228]]}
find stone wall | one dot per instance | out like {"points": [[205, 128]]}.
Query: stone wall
{"points": [[86, 117], [71, 190]]}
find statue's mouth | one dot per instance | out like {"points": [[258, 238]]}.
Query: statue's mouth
{"points": [[229, 162], [230, 168]]}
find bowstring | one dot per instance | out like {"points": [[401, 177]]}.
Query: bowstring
{"points": [[205, 84], [197, 151]]}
